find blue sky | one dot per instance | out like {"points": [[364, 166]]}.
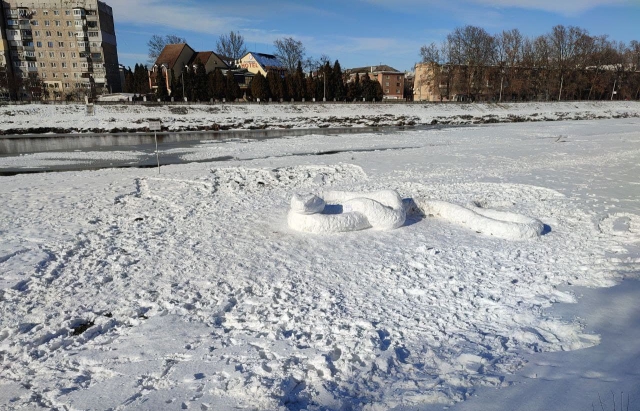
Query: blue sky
{"points": [[358, 32]]}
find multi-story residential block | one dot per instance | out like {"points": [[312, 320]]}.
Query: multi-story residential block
{"points": [[58, 48]]}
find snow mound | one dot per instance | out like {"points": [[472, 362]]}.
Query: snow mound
{"points": [[385, 210], [381, 210]]}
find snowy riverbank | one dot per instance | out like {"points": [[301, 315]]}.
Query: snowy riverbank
{"points": [[38, 118], [126, 289]]}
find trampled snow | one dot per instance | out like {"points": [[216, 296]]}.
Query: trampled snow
{"points": [[122, 289]]}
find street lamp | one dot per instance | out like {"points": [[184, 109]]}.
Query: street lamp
{"points": [[184, 98]]}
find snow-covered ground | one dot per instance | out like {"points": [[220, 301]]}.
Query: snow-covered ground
{"points": [[125, 289], [38, 118]]}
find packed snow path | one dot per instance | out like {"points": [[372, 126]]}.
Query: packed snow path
{"points": [[385, 210], [123, 290]]}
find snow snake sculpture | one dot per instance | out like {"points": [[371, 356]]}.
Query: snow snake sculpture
{"points": [[343, 211]]}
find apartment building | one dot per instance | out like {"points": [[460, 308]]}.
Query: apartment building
{"points": [[58, 48]]}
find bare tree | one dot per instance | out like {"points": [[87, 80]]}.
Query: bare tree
{"points": [[231, 45], [289, 51], [157, 43], [431, 54]]}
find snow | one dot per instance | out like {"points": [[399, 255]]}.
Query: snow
{"points": [[38, 118], [121, 289]]}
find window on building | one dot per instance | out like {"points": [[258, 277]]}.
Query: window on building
{"points": [[93, 33], [67, 12], [43, 75], [386, 91], [52, 54], [70, 33], [37, 33], [31, 64], [69, 24], [56, 12], [59, 34], [57, 23], [67, 85], [386, 84], [73, 54], [63, 55], [35, 23], [45, 12], [76, 75], [47, 23], [54, 64], [61, 44], [50, 44], [43, 64], [65, 75], [74, 65], [54, 75], [47, 33]]}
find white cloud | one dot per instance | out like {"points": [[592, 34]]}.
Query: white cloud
{"points": [[555, 6], [182, 15], [567, 7]]}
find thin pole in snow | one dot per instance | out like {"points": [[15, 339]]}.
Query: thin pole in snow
{"points": [[155, 135]]}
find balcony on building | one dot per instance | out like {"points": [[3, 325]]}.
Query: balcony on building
{"points": [[79, 12], [24, 13]]}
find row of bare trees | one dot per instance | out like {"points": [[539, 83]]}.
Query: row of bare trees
{"points": [[565, 64]]}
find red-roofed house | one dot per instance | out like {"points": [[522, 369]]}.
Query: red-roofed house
{"points": [[175, 58]]}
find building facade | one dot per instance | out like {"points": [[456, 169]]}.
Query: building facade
{"points": [[56, 49], [261, 63], [391, 80], [175, 59]]}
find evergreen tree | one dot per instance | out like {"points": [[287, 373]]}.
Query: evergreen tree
{"points": [[327, 80], [188, 77], [200, 84], [276, 86], [217, 84], [176, 90], [141, 80], [299, 86], [232, 89], [260, 87], [339, 89], [290, 87], [161, 91], [310, 82], [128, 86], [354, 91]]}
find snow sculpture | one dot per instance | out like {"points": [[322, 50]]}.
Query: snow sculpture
{"points": [[381, 210], [385, 210], [495, 223]]}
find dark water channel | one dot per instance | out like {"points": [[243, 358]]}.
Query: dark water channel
{"points": [[14, 146]]}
